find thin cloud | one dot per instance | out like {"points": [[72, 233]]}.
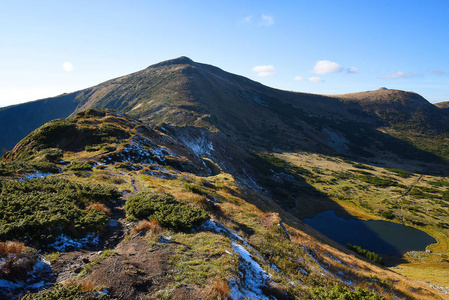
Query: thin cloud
{"points": [[315, 79], [352, 70], [247, 19], [326, 66], [264, 71], [398, 74], [436, 72], [298, 78], [266, 20]]}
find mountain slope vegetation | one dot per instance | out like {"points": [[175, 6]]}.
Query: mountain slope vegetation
{"points": [[235, 241]]}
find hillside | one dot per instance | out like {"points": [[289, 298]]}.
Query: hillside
{"points": [[19, 120], [184, 93], [134, 212]]}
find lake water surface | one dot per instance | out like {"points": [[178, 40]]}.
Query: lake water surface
{"points": [[378, 236]]}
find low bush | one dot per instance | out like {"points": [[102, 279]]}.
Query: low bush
{"points": [[388, 214], [374, 257], [194, 188], [99, 207], [165, 209], [378, 181], [92, 148], [11, 168], [39, 210], [15, 261], [80, 166], [61, 292], [362, 166], [400, 172], [340, 292]]}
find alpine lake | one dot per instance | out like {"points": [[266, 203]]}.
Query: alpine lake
{"points": [[382, 237]]}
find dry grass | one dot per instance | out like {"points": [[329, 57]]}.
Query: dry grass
{"points": [[10, 247], [99, 207], [15, 263], [85, 284], [151, 226], [218, 290]]}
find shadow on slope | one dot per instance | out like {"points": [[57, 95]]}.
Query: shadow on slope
{"points": [[19, 120]]}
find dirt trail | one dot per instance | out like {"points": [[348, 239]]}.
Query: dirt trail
{"points": [[70, 264]]}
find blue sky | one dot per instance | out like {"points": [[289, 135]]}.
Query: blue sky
{"points": [[325, 47]]}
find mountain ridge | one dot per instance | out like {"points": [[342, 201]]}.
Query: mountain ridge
{"points": [[180, 92]]}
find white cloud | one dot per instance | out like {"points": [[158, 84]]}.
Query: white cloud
{"points": [[67, 66], [298, 78], [436, 72], [315, 79], [352, 70], [326, 66], [266, 20], [398, 74], [247, 19], [263, 71]]}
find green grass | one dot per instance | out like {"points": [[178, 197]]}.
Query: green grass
{"points": [[202, 256]]}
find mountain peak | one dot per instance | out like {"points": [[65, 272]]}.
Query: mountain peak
{"points": [[182, 60]]}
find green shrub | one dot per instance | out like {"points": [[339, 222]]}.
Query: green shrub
{"points": [[378, 181], [61, 292], [80, 166], [166, 210], [52, 154], [362, 166], [388, 214], [92, 148], [194, 188], [11, 168], [399, 172], [340, 292], [374, 257], [39, 210]]}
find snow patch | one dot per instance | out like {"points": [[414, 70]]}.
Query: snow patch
{"points": [[64, 243], [35, 175], [253, 277], [161, 153], [37, 279], [219, 228], [201, 146], [337, 141]]}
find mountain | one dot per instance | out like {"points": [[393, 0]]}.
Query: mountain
{"points": [[18, 120], [156, 217], [183, 93], [228, 169]]}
